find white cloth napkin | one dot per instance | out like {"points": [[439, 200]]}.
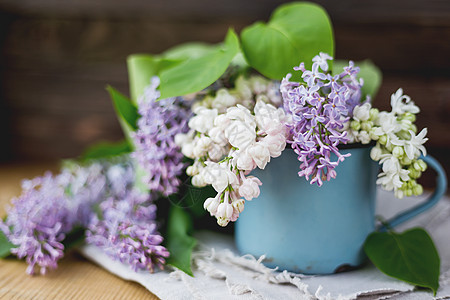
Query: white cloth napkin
{"points": [[220, 273]]}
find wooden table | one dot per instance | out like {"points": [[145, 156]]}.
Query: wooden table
{"points": [[75, 278]]}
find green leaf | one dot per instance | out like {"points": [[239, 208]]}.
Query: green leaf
{"points": [[197, 73], [194, 198], [5, 245], [410, 256], [178, 241], [295, 33], [74, 238], [126, 113], [124, 108], [369, 72], [105, 150], [142, 67], [188, 50]]}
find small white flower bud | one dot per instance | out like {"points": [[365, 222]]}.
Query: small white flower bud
{"points": [[225, 210], [181, 139], [188, 150], [364, 137], [362, 112], [418, 190], [198, 180], [366, 125], [405, 160], [398, 151], [239, 205], [223, 222], [192, 170], [383, 139], [201, 146], [375, 153], [373, 113], [355, 125], [211, 204]]}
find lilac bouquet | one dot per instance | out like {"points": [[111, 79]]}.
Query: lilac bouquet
{"points": [[200, 119], [236, 130]]}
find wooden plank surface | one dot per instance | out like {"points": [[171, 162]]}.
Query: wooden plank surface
{"points": [[75, 278]]}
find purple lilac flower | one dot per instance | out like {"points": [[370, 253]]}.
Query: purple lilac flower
{"points": [[156, 150], [49, 208], [319, 109], [52, 205], [126, 230]]}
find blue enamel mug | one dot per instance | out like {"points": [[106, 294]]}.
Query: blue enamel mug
{"points": [[308, 229]]}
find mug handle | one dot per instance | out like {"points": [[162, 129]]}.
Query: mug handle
{"points": [[441, 187]]}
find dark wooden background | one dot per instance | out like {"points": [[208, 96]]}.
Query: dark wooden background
{"points": [[58, 55]]}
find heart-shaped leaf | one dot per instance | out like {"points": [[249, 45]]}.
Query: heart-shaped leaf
{"points": [[195, 74], [369, 72], [188, 50], [410, 256], [295, 33], [178, 241]]}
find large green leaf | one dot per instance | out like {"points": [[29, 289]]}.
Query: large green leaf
{"points": [[5, 245], [192, 198], [410, 256], [369, 72], [142, 67], [105, 150], [126, 112], [188, 50], [195, 74], [295, 33], [178, 241]]}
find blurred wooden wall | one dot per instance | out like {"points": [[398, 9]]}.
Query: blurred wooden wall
{"points": [[57, 56]]}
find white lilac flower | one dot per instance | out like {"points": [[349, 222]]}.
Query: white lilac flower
{"points": [[376, 152], [211, 204], [249, 188], [260, 154], [203, 119], [414, 146], [362, 112], [223, 100], [398, 147], [219, 176], [240, 134], [241, 113], [402, 103], [275, 144], [243, 136], [243, 160]]}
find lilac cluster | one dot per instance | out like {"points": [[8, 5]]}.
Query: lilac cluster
{"points": [[125, 229], [320, 107], [156, 150], [49, 208], [52, 205]]}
